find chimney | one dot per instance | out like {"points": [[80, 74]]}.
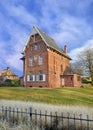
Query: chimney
{"points": [[8, 68], [65, 49]]}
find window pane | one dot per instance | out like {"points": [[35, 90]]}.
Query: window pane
{"points": [[40, 59], [31, 61], [31, 76], [35, 46]]}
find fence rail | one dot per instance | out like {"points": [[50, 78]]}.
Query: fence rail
{"points": [[45, 121]]}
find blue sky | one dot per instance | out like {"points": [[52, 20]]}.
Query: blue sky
{"points": [[69, 22]]}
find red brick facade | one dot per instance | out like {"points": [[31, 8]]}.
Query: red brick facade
{"points": [[43, 64]]}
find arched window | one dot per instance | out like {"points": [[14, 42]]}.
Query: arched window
{"points": [[40, 76], [31, 76], [40, 59]]}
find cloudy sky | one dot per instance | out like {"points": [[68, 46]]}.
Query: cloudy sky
{"points": [[69, 22]]}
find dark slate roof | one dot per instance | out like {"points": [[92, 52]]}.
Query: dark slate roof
{"points": [[48, 41]]}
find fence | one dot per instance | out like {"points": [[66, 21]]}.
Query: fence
{"points": [[45, 121]]}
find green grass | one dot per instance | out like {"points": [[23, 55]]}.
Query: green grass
{"points": [[61, 96]]}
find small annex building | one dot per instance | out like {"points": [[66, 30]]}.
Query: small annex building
{"points": [[45, 64]]}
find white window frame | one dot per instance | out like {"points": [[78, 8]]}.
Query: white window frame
{"points": [[41, 76], [28, 78]]}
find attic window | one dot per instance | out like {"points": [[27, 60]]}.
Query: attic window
{"points": [[35, 46]]}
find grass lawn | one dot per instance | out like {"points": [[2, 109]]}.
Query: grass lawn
{"points": [[60, 96]]}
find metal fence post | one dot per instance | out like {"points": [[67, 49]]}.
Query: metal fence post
{"points": [[62, 121], [31, 117], [74, 122], [68, 120], [87, 122], [80, 121]]}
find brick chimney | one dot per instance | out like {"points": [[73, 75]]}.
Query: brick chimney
{"points": [[8, 68], [65, 49]]}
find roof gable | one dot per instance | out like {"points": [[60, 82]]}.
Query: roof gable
{"points": [[47, 39], [6, 72]]}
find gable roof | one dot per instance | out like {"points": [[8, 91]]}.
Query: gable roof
{"points": [[47, 39], [7, 72]]}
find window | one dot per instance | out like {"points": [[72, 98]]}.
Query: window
{"points": [[35, 46], [71, 79], [31, 76], [40, 76], [40, 59], [31, 61]]}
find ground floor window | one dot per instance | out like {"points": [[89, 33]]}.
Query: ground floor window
{"points": [[40, 76], [30, 77]]}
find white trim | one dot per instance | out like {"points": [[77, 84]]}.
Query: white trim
{"points": [[33, 77], [44, 77], [37, 77], [24, 78], [28, 78]]}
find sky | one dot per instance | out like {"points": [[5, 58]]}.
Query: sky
{"points": [[68, 22]]}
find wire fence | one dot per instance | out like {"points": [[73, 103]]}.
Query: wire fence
{"points": [[45, 120]]}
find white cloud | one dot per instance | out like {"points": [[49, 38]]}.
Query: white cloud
{"points": [[14, 61], [75, 52]]}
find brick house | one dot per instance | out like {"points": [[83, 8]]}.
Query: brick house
{"points": [[7, 74], [45, 63]]}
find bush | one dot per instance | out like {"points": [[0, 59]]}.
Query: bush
{"points": [[13, 83], [86, 81]]}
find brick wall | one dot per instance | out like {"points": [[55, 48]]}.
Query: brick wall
{"points": [[53, 65]]}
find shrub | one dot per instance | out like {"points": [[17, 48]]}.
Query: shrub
{"points": [[9, 82], [86, 81]]}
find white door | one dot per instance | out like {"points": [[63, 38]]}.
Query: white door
{"points": [[63, 82]]}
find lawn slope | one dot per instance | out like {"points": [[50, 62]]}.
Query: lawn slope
{"points": [[62, 96]]}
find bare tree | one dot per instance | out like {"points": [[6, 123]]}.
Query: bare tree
{"points": [[76, 68], [85, 62]]}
